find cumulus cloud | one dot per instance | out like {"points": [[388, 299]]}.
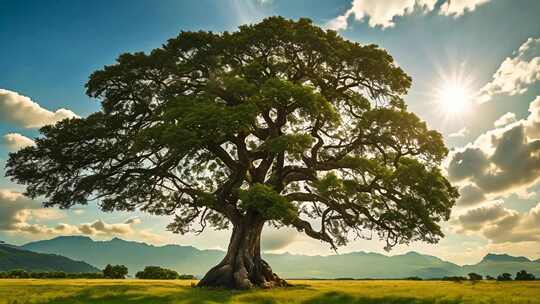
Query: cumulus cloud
{"points": [[515, 74], [503, 160], [19, 214], [22, 111], [500, 224], [14, 209], [470, 195], [459, 7], [506, 119], [460, 133], [16, 141], [382, 13]]}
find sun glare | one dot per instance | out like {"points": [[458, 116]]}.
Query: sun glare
{"points": [[454, 98]]}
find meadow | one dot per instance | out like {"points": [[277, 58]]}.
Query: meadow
{"points": [[304, 292]]}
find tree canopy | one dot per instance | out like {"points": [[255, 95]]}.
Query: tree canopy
{"points": [[280, 122]]}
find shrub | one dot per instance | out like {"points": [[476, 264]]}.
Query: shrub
{"points": [[414, 279], [475, 277], [504, 277], [18, 274], [157, 273], [524, 276], [457, 279], [115, 272], [186, 277]]}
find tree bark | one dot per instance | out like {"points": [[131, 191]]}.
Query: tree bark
{"points": [[242, 267]]}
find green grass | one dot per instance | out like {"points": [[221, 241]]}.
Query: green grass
{"points": [[305, 292]]}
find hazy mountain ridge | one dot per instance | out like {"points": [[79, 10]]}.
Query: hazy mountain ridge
{"points": [[13, 257], [188, 259]]}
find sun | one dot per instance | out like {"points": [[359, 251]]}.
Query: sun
{"points": [[454, 98]]}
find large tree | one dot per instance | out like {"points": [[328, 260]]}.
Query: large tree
{"points": [[279, 123]]}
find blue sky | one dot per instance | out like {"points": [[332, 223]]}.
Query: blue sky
{"points": [[50, 48]]}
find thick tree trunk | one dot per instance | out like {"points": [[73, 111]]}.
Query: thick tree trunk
{"points": [[243, 267]]}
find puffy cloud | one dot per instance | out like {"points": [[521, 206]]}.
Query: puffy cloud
{"points": [[14, 209], [470, 195], [382, 13], [459, 7], [501, 161], [101, 228], [16, 141], [501, 225], [19, 214], [461, 133], [506, 119], [22, 111], [516, 73]]}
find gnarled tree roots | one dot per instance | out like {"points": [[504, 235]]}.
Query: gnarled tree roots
{"points": [[242, 267]]}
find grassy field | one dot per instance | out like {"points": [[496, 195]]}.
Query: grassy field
{"points": [[305, 292]]}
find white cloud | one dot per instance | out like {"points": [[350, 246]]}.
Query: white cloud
{"points": [[16, 141], [459, 7], [461, 133], [382, 13], [470, 195], [515, 74], [504, 160], [506, 119], [22, 111], [21, 215], [500, 224]]}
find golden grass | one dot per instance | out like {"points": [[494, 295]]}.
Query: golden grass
{"points": [[305, 292]]}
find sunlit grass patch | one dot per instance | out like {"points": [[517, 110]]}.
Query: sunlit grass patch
{"points": [[304, 292]]}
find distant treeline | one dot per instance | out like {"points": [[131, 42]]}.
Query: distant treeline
{"points": [[522, 275], [110, 272], [23, 274]]}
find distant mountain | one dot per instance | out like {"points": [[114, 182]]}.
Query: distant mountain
{"points": [[495, 264], [491, 257], [188, 259], [13, 257], [135, 255]]}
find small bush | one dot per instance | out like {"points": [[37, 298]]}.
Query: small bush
{"points": [[504, 277], [413, 279], [524, 276], [456, 279], [475, 277], [157, 273], [115, 272]]}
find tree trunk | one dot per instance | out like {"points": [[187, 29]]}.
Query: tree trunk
{"points": [[242, 267]]}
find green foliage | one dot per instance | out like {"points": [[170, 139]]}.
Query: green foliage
{"points": [[304, 292], [278, 121], [504, 277], [475, 276], [524, 276], [269, 203], [115, 272], [157, 273]]}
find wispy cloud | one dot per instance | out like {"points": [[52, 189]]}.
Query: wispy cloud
{"points": [[515, 74], [460, 133], [382, 13]]}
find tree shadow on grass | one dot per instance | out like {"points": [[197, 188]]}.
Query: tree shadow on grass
{"points": [[142, 295], [343, 298]]}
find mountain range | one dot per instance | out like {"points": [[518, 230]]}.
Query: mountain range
{"points": [[188, 259], [12, 257]]}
